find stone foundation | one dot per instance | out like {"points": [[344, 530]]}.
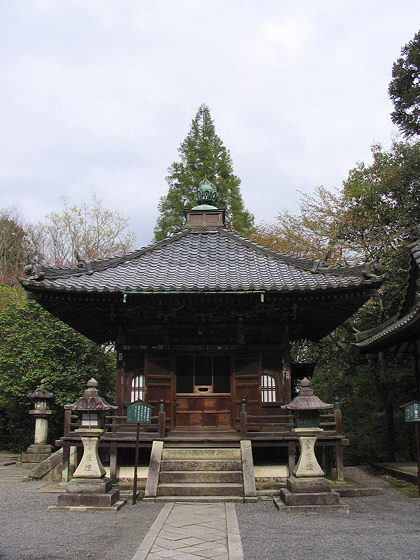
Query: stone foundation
{"points": [[309, 495], [90, 495], [36, 453]]}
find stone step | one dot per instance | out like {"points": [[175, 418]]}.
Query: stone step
{"points": [[200, 465], [200, 476], [92, 509], [200, 489], [313, 499], [195, 499], [93, 500], [202, 442], [268, 492], [332, 508], [201, 453]]}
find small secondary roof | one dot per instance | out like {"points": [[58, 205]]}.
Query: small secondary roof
{"points": [[400, 333]]}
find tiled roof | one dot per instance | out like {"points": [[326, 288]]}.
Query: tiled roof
{"points": [[200, 259], [391, 328], [405, 322]]}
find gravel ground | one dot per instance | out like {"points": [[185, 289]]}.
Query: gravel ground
{"points": [[378, 528], [385, 527], [28, 531]]}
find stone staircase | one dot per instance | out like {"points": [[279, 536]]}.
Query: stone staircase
{"points": [[200, 473]]}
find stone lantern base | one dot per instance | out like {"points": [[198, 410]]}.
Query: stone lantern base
{"points": [[307, 491], [309, 495], [89, 489], [92, 494], [36, 453]]}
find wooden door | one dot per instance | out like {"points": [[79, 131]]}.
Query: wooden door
{"points": [[203, 394], [247, 385], [158, 371]]}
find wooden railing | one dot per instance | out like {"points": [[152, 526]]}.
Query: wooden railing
{"points": [[330, 421], [268, 423], [113, 422]]}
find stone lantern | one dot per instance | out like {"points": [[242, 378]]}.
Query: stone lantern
{"points": [[90, 410], [306, 409], [89, 488], [307, 489], [39, 450]]}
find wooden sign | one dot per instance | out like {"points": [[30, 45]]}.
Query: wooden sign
{"points": [[139, 412], [412, 411]]}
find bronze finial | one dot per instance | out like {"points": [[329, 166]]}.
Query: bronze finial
{"points": [[206, 193]]}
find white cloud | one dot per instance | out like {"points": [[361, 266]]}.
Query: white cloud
{"points": [[98, 94]]}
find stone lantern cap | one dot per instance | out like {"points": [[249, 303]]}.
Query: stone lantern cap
{"points": [[40, 393], [91, 401], [306, 400]]}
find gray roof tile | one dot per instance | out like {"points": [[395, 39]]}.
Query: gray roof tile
{"points": [[201, 260]]}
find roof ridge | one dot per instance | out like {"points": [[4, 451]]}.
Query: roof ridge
{"points": [[89, 267], [413, 263], [388, 328], [311, 265]]}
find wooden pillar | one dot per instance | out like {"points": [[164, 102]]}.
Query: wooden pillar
{"points": [[337, 416], [287, 368], [338, 446], [327, 460], [119, 382], [67, 422], [113, 462], [244, 419], [65, 472], [339, 461], [161, 419]]}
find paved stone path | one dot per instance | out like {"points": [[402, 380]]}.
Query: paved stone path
{"points": [[193, 532], [10, 469]]}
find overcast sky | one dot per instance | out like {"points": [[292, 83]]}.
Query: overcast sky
{"points": [[97, 95]]}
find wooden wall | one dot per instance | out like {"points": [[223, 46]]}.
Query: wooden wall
{"points": [[216, 410]]}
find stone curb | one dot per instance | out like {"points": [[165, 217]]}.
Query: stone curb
{"points": [[153, 532], [234, 537]]}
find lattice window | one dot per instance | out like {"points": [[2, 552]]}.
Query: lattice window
{"points": [[137, 388], [268, 388]]}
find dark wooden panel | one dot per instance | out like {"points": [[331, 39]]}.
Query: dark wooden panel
{"points": [[203, 411], [159, 383], [247, 381]]}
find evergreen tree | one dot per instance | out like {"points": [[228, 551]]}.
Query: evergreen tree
{"points": [[404, 89], [202, 154]]}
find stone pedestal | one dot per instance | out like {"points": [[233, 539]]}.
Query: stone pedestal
{"points": [[89, 489], [307, 465], [309, 495], [36, 453], [90, 494], [90, 466], [307, 491], [39, 450]]}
